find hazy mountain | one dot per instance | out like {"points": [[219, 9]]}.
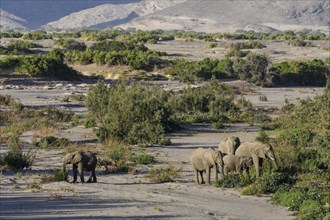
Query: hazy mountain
{"points": [[195, 15], [260, 15], [10, 21], [40, 12]]}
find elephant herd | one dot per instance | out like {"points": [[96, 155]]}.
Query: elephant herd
{"points": [[231, 156]]}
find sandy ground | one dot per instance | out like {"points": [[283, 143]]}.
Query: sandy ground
{"points": [[275, 49], [133, 196]]}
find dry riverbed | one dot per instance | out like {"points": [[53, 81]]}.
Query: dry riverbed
{"points": [[133, 196]]}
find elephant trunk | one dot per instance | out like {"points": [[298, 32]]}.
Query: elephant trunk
{"points": [[220, 165], [275, 164]]}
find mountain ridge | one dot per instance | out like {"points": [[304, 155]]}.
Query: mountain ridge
{"points": [[188, 15]]}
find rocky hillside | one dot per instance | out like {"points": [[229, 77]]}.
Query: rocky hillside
{"points": [[193, 15]]}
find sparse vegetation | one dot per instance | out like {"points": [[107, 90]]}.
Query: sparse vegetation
{"points": [[144, 159], [16, 159], [164, 174], [60, 175], [70, 44], [18, 47]]}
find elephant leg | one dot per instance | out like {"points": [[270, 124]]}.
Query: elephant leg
{"points": [[247, 170], [90, 177], [225, 170], [208, 175], [260, 165], [81, 172], [256, 165], [94, 176], [196, 177], [201, 174], [74, 171], [216, 174]]}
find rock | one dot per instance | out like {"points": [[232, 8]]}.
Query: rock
{"points": [[47, 88], [83, 85], [59, 85]]}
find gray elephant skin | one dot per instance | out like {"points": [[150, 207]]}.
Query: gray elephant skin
{"points": [[229, 146], [203, 160], [258, 151], [234, 163], [81, 161]]}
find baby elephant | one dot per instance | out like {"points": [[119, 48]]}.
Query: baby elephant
{"points": [[234, 163], [205, 159], [81, 161]]}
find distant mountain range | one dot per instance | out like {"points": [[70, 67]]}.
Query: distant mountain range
{"points": [[189, 15]]}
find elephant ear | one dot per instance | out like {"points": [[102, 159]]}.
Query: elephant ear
{"points": [[76, 158], [237, 142], [260, 151]]}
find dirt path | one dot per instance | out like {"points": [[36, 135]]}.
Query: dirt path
{"points": [[128, 196]]}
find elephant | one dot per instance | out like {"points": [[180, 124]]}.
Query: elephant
{"points": [[258, 151], [229, 146], [81, 161], [203, 160], [234, 163]]}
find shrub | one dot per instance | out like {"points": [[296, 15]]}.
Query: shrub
{"points": [[50, 65], [144, 159], [269, 182], [116, 159], [50, 142], [164, 174], [60, 175], [15, 158], [18, 47], [71, 44], [298, 43], [36, 35], [263, 98], [136, 114], [306, 73], [232, 180], [254, 68]]}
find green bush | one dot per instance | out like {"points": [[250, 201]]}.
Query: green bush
{"points": [[298, 43], [144, 159], [232, 180], [116, 159], [10, 34], [51, 142], [71, 44], [60, 175], [15, 158], [254, 68], [18, 47], [303, 140], [50, 65], [164, 174], [269, 182], [36, 35], [303, 73], [135, 114]]}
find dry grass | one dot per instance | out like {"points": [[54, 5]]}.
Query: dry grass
{"points": [[44, 131], [55, 196]]}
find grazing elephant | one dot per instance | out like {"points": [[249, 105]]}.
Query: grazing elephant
{"points": [[230, 145], [258, 151], [234, 163], [205, 159], [81, 161]]}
